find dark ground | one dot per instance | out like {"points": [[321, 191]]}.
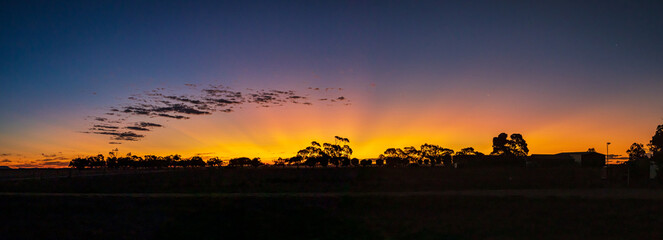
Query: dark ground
{"points": [[328, 218], [311, 180], [324, 217]]}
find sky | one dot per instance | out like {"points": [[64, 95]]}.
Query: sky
{"points": [[87, 77]]}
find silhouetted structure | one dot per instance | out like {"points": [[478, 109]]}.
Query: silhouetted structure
{"points": [[507, 152], [550, 160], [463, 161], [583, 159]]}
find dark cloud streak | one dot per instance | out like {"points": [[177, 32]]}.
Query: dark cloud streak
{"points": [[138, 128], [52, 159], [215, 98], [122, 136], [148, 124]]}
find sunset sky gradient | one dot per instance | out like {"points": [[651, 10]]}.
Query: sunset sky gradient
{"points": [[568, 76]]}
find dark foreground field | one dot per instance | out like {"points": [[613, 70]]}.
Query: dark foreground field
{"points": [[307, 180], [228, 204], [328, 218]]}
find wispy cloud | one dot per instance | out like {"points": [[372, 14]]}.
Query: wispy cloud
{"points": [[163, 104], [148, 124], [205, 154], [53, 159], [105, 127], [55, 163], [122, 136]]}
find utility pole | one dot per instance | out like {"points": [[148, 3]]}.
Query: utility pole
{"points": [[607, 153], [605, 167]]}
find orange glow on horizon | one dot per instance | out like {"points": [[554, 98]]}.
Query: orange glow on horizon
{"points": [[270, 133], [374, 121]]}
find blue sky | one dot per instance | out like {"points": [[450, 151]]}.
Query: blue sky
{"points": [[63, 61]]}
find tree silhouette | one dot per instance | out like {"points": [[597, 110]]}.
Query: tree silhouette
{"points": [[468, 151], [239, 162], [500, 144], [322, 160], [428, 154], [214, 162], [124, 162], [313, 154], [111, 160], [436, 154], [394, 157], [656, 145], [280, 162], [516, 146], [90, 161], [412, 155], [365, 162], [169, 161], [149, 161], [195, 161], [337, 153], [636, 152], [340, 139], [137, 162], [152, 161], [255, 162], [79, 163], [176, 160], [311, 161], [345, 162], [326, 153], [354, 162], [379, 161], [296, 160]]}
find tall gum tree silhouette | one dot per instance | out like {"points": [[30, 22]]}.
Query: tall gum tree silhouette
{"points": [[327, 153], [513, 146], [656, 145]]}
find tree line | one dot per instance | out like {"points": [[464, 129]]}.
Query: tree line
{"points": [[336, 154], [152, 161]]}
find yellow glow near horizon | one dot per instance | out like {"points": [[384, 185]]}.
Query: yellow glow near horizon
{"points": [[274, 132]]}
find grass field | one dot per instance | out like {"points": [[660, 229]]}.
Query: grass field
{"points": [[327, 216]]}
